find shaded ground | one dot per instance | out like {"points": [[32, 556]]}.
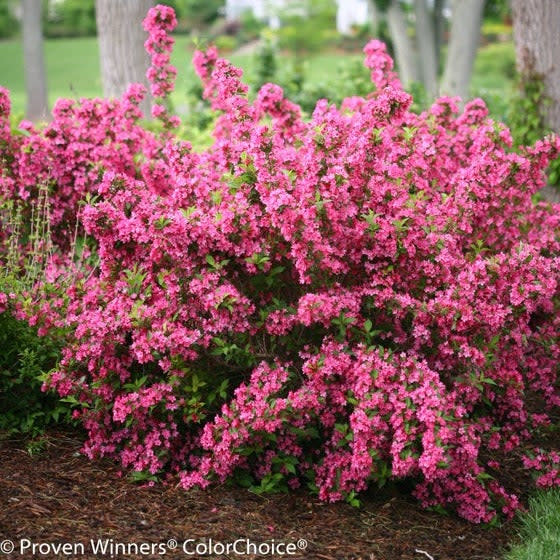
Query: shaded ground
{"points": [[60, 496]]}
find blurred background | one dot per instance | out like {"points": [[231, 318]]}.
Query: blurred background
{"points": [[312, 48]]}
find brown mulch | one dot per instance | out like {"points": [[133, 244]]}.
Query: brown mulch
{"points": [[60, 496]]}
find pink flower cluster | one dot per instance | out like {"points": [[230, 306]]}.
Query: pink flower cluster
{"points": [[159, 23], [546, 465], [70, 155], [369, 294]]}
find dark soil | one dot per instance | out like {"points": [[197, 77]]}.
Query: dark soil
{"points": [[60, 496]]}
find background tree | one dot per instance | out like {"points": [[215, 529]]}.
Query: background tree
{"points": [[425, 31], [405, 53], [121, 45], [463, 44], [34, 61], [419, 57], [537, 107], [537, 45]]}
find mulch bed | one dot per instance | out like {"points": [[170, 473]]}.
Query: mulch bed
{"points": [[61, 496]]}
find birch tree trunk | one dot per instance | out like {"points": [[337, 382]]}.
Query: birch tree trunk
{"points": [[404, 50], [536, 31], [121, 45], [425, 35], [34, 61], [465, 35]]}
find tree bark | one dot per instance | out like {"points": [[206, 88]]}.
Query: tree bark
{"points": [[404, 51], [536, 25], [34, 61], [463, 44], [425, 35], [121, 45], [374, 17], [439, 30]]}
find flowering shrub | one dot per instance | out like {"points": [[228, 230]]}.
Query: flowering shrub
{"points": [[371, 294], [71, 153], [546, 466], [25, 356]]}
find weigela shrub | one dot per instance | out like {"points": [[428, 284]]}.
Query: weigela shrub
{"points": [[71, 153], [24, 356], [367, 295]]}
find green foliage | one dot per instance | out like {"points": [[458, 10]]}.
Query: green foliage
{"points": [[496, 61], [382, 5], [36, 445], [76, 18], [196, 12], [25, 357], [361, 34], [307, 26], [265, 63], [8, 23], [420, 98], [225, 43], [492, 30], [24, 360], [251, 26], [73, 69], [496, 9], [348, 77], [70, 18], [493, 77], [539, 533], [527, 118], [200, 117]]}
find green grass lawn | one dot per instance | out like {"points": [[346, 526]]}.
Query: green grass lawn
{"points": [[539, 534], [73, 69], [493, 77]]}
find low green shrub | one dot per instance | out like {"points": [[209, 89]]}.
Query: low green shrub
{"points": [[196, 12], [349, 77], [225, 43], [24, 360]]}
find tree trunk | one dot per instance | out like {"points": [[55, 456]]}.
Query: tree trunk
{"points": [[404, 51], [536, 25], [465, 35], [426, 38], [439, 30], [34, 61], [121, 45], [375, 17]]}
